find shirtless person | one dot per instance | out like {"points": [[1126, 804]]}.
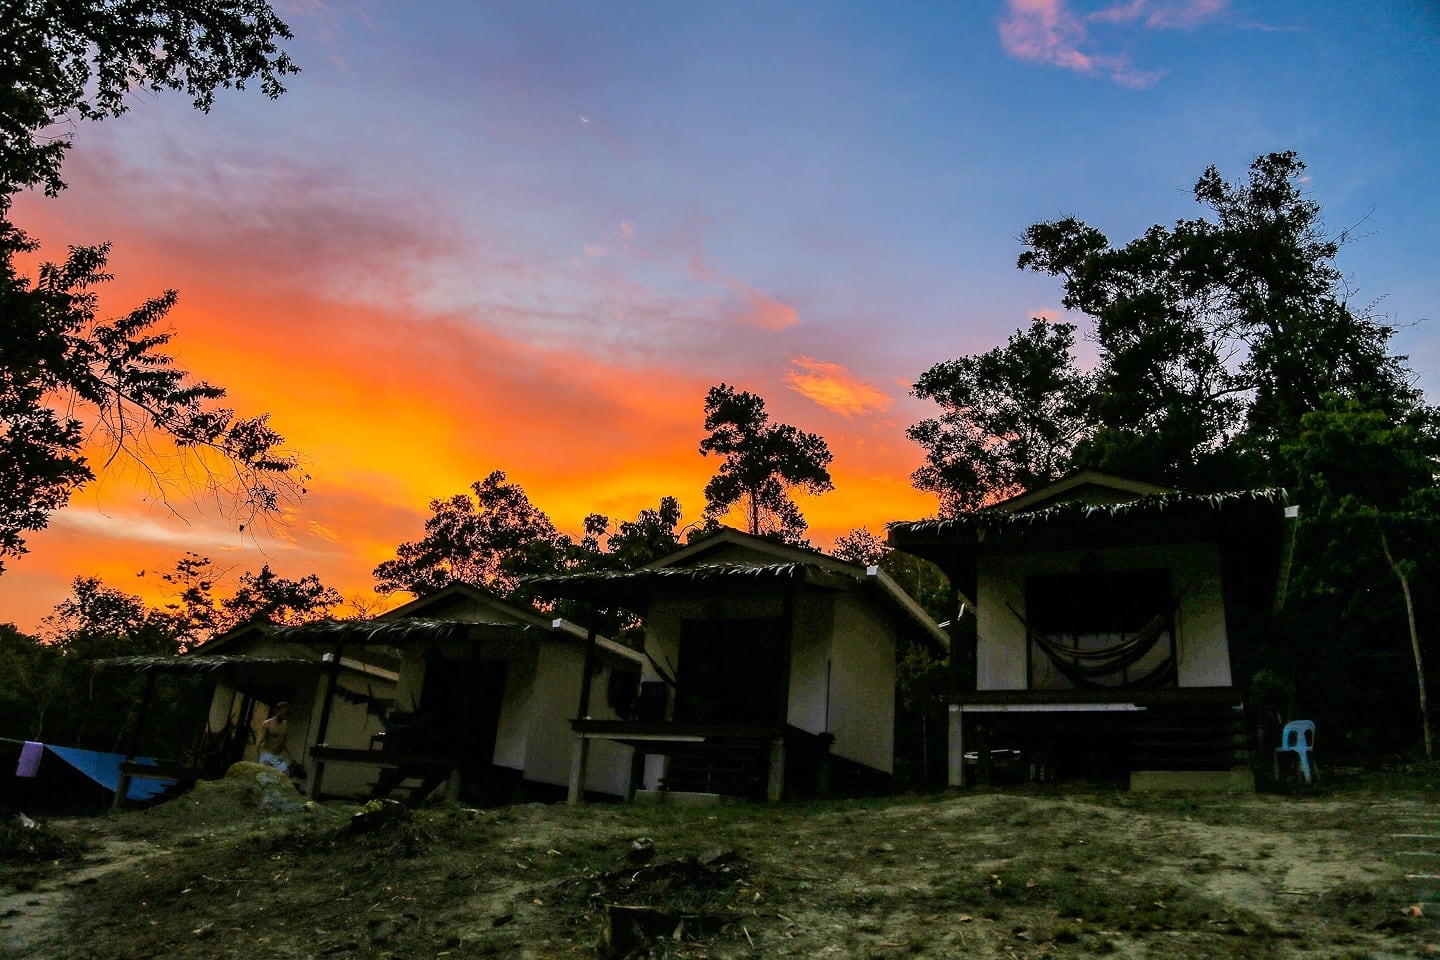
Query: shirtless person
{"points": [[270, 743]]}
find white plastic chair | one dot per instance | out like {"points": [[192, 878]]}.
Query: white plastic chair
{"points": [[1298, 737]]}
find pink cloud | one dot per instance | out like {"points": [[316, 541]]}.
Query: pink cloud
{"points": [[1050, 32], [834, 387], [766, 312]]}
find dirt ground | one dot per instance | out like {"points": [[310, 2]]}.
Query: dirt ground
{"points": [[1018, 873]]}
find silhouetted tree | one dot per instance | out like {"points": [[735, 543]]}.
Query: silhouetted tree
{"points": [[1218, 335], [1010, 418], [651, 535], [762, 463], [32, 681], [861, 547], [69, 60], [67, 376], [491, 538], [278, 599], [94, 622]]}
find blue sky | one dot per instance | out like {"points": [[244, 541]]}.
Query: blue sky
{"points": [[479, 236]]}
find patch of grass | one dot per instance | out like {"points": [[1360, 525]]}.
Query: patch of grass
{"points": [[1082, 901], [1374, 907]]}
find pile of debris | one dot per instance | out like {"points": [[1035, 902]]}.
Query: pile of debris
{"points": [[688, 898]]}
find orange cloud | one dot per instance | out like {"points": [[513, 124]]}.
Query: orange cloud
{"points": [[834, 387]]}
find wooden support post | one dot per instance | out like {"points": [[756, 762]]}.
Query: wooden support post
{"points": [[964, 644], [957, 746], [637, 773], [984, 762], [775, 788], [122, 789], [591, 655], [332, 681], [579, 756]]}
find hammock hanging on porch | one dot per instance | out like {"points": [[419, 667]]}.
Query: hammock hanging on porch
{"points": [[1085, 667]]}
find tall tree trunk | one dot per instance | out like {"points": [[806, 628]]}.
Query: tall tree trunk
{"points": [[1414, 640]]}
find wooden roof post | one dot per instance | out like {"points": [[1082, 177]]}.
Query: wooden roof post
{"points": [[122, 789], [591, 655], [580, 751], [333, 680]]}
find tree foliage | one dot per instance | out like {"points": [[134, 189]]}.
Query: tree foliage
{"points": [[72, 383], [99, 621], [1010, 418], [49, 690], [67, 61], [492, 538], [1369, 481], [1217, 335], [69, 378], [652, 534], [1214, 337], [762, 462], [268, 596], [860, 547]]}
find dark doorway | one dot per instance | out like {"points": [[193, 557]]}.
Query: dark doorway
{"points": [[460, 705], [733, 671]]}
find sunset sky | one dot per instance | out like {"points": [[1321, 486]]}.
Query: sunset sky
{"points": [[529, 236]]}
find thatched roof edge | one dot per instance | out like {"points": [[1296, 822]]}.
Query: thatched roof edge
{"points": [[699, 573], [197, 664], [1154, 504], [397, 632]]}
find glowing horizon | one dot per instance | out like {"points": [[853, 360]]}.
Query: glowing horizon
{"points": [[530, 238]]}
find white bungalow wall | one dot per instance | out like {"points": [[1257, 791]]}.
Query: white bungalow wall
{"points": [[862, 684], [810, 664], [351, 727], [1201, 644], [555, 698]]}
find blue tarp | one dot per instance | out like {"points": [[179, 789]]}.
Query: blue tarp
{"points": [[104, 769]]}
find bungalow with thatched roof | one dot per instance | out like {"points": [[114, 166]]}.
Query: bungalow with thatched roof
{"points": [[483, 700], [259, 665], [770, 670], [1100, 625], [255, 667]]}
